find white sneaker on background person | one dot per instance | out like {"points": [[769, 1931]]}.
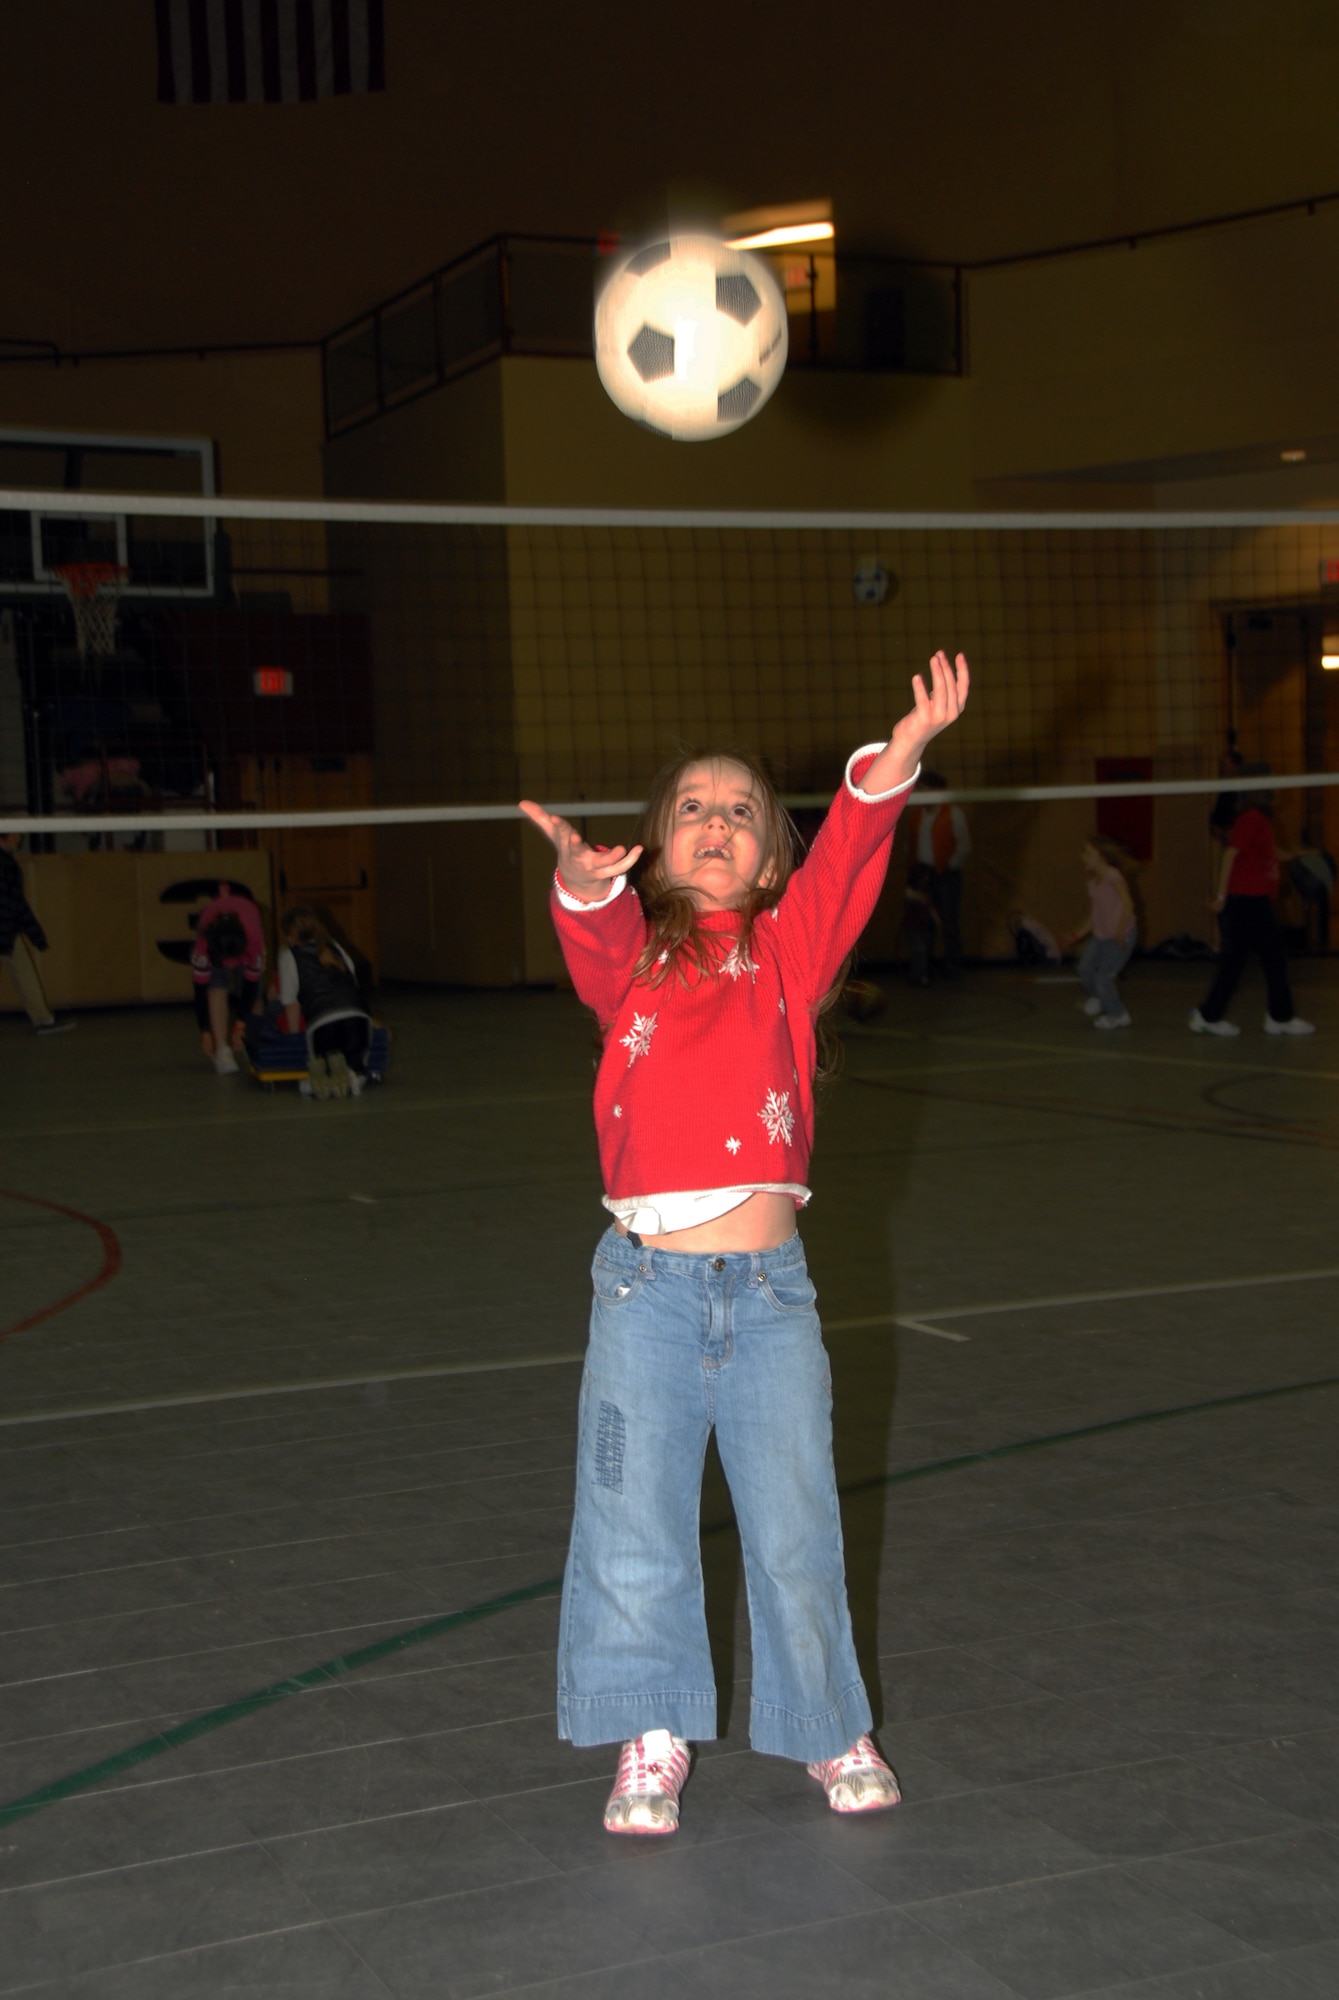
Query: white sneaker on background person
{"points": [[1113, 1021], [1296, 1026], [54, 1027], [1199, 1026], [225, 1063], [1090, 1005]]}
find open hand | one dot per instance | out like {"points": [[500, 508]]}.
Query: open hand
{"points": [[585, 871], [934, 707]]}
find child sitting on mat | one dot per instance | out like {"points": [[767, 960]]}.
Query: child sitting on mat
{"points": [[707, 983], [317, 982]]}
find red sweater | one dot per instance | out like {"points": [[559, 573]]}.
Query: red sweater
{"points": [[710, 1084]]}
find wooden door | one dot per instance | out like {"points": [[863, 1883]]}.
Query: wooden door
{"points": [[330, 868]]}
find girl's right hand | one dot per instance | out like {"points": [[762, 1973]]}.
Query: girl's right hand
{"points": [[585, 871]]}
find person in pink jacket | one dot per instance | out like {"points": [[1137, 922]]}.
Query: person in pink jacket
{"points": [[708, 981], [227, 961]]}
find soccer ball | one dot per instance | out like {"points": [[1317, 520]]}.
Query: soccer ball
{"points": [[872, 581], [690, 336]]}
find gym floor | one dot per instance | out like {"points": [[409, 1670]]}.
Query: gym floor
{"points": [[286, 1429]]}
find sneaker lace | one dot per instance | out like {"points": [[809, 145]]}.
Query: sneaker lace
{"points": [[641, 1774], [862, 1756]]}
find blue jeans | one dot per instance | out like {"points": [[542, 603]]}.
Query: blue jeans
{"points": [[1102, 963], [680, 1342]]}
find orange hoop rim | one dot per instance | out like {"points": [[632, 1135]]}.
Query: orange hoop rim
{"points": [[85, 579]]}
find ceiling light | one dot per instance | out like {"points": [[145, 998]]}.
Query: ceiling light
{"points": [[1330, 662], [793, 232], [1293, 457]]}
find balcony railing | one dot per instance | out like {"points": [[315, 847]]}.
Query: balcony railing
{"points": [[535, 295]]}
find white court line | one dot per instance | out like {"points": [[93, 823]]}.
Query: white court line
{"points": [[1104, 1298], [893, 1319], [288, 1389], [913, 1325], [366, 1381]]}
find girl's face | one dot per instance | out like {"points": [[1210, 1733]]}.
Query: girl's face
{"points": [[713, 847], [1091, 859]]}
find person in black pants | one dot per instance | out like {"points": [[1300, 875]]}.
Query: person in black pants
{"points": [[1247, 883]]}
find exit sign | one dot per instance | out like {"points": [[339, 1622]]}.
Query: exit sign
{"points": [[277, 680], [1329, 569]]}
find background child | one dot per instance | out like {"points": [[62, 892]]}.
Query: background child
{"points": [[17, 924], [1248, 881], [920, 921], [317, 980], [707, 983], [1111, 932], [227, 960]]}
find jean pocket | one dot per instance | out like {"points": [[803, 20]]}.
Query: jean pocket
{"points": [[616, 1284], [788, 1291]]}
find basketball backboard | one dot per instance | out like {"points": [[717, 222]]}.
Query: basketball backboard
{"points": [[167, 555]]}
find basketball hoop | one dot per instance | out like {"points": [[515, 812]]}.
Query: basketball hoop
{"points": [[94, 590]]}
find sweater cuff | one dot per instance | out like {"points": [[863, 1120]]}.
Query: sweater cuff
{"points": [[855, 788], [575, 904]]}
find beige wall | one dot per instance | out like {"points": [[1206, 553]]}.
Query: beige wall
{"points": [[1194, 344], [446, 446], [262, 411], [844, 441], [960, 131], [103, 918]]}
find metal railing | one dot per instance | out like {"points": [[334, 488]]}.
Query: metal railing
{"points": [[535, 295]]}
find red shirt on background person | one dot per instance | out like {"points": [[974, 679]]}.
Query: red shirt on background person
{"points": [[1255, 871]]}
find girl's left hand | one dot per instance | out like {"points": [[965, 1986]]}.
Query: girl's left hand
{"points": [[936, 707]]}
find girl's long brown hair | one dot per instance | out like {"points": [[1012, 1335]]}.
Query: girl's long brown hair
{"points": [[677, 943], [302, 926]]}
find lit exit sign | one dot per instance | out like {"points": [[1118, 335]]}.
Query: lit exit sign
{"points": [[1329, 569], [277, 680]]}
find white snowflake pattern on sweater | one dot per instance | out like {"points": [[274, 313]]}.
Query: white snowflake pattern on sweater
{"points": [[778, 1117], [781, 1003], [737, 962], [733, 1145], [638, 1037], [618, 1111]]}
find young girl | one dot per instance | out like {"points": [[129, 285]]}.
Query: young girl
{"points": [[1110, 931], [707, 983], [317, 979]]}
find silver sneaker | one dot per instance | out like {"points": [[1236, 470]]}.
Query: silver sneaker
{"points": [[858, 1780], [651, 1774]]}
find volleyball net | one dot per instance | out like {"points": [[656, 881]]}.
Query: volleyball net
{"points": [[385, 674]]}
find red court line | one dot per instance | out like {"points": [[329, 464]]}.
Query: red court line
{"points": [[111, 1259]]}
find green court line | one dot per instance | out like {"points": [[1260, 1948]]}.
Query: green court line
{"points": [[348, 1663]]}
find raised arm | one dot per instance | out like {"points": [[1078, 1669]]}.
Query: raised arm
{"points": [[933, 710], [830, 899], [586, 872], [601, 930]]}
